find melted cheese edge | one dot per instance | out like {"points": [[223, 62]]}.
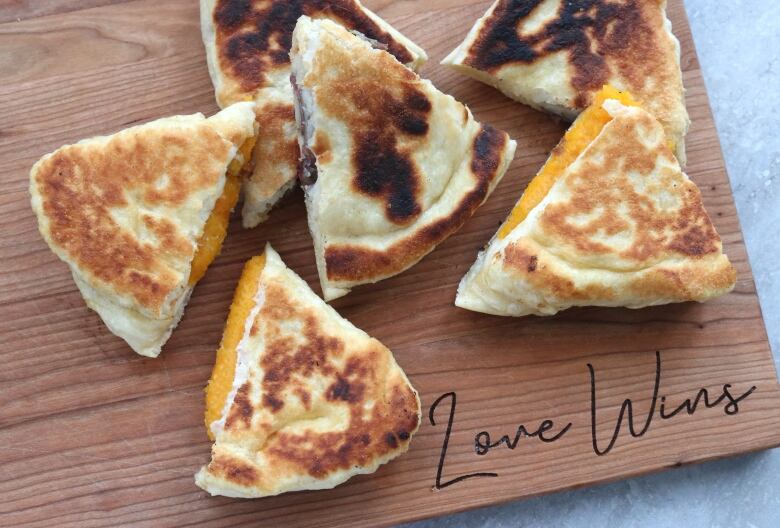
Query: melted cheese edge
{"points": [[215, 230], [582, 133], [238, 323]]}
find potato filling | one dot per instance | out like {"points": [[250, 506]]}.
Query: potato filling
{"points": [[581, 134], [215, 230], [222, 375]]}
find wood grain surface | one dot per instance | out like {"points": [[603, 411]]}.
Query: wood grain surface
{"points": [[94, 435]]}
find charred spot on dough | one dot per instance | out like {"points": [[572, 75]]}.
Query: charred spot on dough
{"points": [[255, 36], [391, 441], [339, 390], [241, 410], [386, 110], [585, 29], [410, 123], [343, 390], [233, 470], [352, 263], [590, 72], [244, 54], [286, 360], [695, 234], [403, 435], [499, 43], [230, 13], [488, 146], [516, 257], [321, 454], [272, 403], [384, 170], [417, 100], [410, 115], [403, 398]]}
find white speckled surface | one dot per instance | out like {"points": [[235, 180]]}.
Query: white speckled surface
{"points": [[738, 42]]}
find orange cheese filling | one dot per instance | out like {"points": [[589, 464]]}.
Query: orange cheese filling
{"points": [[224, 371], [581, 134], [215, 230]]}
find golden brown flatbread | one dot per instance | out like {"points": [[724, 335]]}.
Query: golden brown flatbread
{"points": [[392, 166], [127, 213], [622, 225], [555, 55], [299, 398], [247, 45]]}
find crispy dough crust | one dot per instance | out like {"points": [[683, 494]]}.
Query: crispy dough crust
{"points": [[623, 226], [557, 55], [315, 399], [401, 165]]}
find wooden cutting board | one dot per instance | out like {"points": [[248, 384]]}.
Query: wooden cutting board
{"points": [[93, 435]]}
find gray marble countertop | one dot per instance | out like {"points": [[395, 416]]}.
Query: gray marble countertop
{"points": [[738, 43]]}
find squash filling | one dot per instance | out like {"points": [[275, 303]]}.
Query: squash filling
{"points": [[215, 230], [581, 134], [221, 382]]}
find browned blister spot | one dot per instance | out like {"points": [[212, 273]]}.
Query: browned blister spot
{"points": [[233, 470], [272, 403], [254, 37], [86, 188], [240, 413], [391, 440], [355, 263], [344, 390], [695, 235]]}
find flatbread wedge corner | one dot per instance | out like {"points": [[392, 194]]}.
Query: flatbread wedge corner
{"points": [[556, 55], [139, 215], [247, 49], [391, 166], [299, 399], [610, 220]]}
